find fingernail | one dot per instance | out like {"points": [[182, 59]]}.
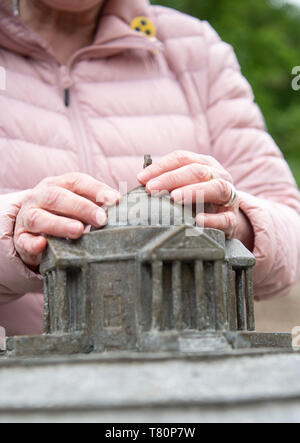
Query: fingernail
{"points": [[101, 218], [111, 197], [154, 185], [74, 228]]}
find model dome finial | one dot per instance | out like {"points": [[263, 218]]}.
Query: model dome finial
{"points": [[147, 160]]}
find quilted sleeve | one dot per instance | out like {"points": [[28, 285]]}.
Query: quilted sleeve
{"points": [[15, 278]]}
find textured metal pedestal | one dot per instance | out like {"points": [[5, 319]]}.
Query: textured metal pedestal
{"points": [[230, 386], [185, 342]]}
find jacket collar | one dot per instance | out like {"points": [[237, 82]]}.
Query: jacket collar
{"points": [[114, 33]]}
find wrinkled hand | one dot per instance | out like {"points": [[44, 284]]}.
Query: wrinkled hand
{"points": [[183, 174], [60, 206]]}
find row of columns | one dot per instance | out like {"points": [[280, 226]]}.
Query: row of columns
{"points": [[231, 307]]}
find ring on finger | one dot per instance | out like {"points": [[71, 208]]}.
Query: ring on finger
{"points": [[233, 196]]}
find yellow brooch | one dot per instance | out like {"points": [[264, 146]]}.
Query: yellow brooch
{"points": [[144, 25]]}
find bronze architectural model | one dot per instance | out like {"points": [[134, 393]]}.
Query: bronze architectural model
{"points": [[149, 281]]}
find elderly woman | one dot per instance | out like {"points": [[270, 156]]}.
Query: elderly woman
{"points": [[93, 85]]}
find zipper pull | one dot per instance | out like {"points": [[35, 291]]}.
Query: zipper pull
{"points": [[67, 97], [66, 83]]}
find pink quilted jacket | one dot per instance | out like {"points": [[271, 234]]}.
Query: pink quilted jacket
{"points": [[130, 96]]}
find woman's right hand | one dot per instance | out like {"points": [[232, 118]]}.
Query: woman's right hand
{"points": [[61, 207]]}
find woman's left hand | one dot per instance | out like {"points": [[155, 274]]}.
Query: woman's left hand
{"points": [[183, 173]]}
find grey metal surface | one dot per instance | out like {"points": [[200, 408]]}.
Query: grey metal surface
{"points": [[128, 385]]}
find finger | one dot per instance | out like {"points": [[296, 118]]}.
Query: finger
{"points": [[218, 192], [63, 202], [37, 221], [30, 248], [187, 175], [86, 186], [224, 221], [173, 161]]}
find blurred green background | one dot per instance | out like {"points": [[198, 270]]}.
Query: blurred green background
{"points": [[266, 38]]}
